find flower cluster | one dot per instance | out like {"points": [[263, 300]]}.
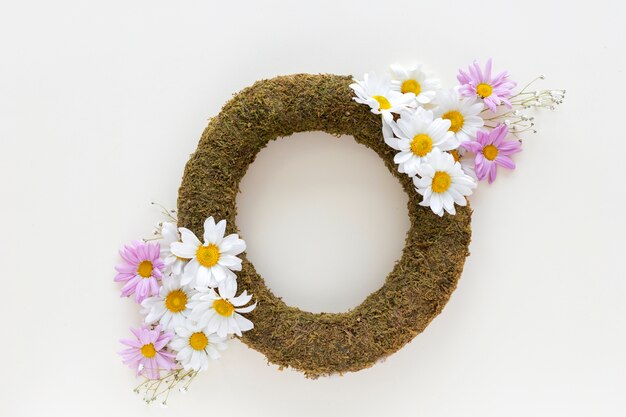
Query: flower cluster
{"points": [[187, 289], [449, 140]]}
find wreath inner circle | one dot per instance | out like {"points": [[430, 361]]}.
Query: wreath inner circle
{"points": [[291, 183], [414, 292]]}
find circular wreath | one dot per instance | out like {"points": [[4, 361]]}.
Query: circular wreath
{"points": [[414, 292]]}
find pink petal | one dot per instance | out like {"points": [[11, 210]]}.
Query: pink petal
{"points": [[472, 146], [492, 173], [505, 162], [491, 103], [487, 75], [498, 134], [482, 166]]}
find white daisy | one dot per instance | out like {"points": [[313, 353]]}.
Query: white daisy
{"points": [[418, 134], [463, 113], [376, 92], [443, 183], [416, 81], [466, 159], [213, 261], [173, 263], [220, 312], [195, 345], [169, 308]]}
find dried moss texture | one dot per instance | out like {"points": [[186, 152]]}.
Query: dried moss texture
{"points": [[414, 292]]}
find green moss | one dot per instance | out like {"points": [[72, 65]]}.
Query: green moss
{"points": [[414, 292]]}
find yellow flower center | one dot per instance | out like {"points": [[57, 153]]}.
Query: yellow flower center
{"points": [[490, 152], [456, 120], [411, 86], [441, 182], [421, 144], [208, 255], [484, 90], [223, 308], [455, 154], [148, 350], [145, 269], [198, 341], [176, 301], [383, 103]]}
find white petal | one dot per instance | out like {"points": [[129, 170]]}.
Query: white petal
{"points": [[228, 289], [212, 352], [188, 236], [232, 245], [435, 203], [230, 261], [243, 323], [214, 233], [218, 273], [184, 249], [203, 277], [190, 272], [241, 299], [246, 309]]}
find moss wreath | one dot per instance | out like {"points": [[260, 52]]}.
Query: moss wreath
{"points": [[414, 292]]}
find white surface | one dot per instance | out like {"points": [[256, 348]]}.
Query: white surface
{"points": [[101, 104]]}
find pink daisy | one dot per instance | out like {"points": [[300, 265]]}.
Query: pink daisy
{"points": [[146, 354], [492, 149], [493, 90], [142, 270]]}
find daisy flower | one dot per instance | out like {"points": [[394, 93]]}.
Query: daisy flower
{"points": [[213, 261], [463, 114], [443, 183], [145, 354], [416, 81], [195, 346], [169, 308], [376, 92], [170, 234], [141, 270], [492, 90], [220, 312], [492, 149], [418, 134]]}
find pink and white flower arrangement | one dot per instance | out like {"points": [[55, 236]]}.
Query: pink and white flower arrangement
{"points": [[141, 270], [478, 123], [492, 149], [180, 331]]}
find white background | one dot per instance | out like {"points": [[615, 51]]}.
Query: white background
{"points": [[101, 104]]}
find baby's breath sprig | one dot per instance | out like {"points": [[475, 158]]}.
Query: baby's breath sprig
{"points": [[517, 118], [160, 389], [170, 214], [171, 217]]}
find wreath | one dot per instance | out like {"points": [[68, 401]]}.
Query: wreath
{"points": [[196, 287]]}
